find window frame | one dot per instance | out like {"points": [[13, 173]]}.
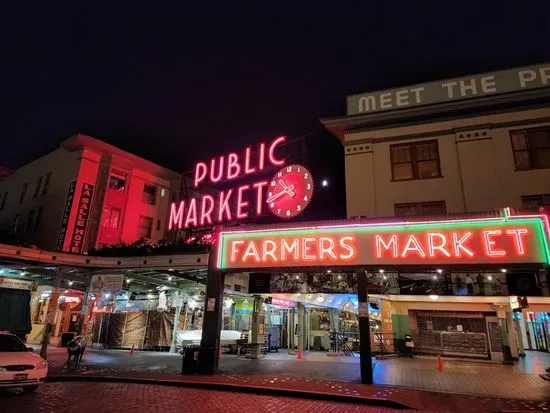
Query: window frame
{"points": [[110, 211], [23, 192], [418, 208], [145, 194], [414, 160], [4, 200], [530, 151], [140, 227], [37, 187], [539, 198], [46, 185]]}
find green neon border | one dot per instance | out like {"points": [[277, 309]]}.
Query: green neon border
{"points": [[537, 222]]}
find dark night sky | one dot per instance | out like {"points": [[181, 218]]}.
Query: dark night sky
{"points": [[172, 85]]}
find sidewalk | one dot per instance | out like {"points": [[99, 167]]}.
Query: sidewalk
{"points": [[483, 385]]}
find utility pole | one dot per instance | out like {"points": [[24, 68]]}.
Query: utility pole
{"points": [[50, 315]]}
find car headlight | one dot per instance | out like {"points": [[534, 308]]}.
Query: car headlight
{"points": [[42, 364]]}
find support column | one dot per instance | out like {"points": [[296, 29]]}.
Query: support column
{"points": [[364, 329], [212, 320], [257, 333], [50, 314], [506, 351], [301, 326], [179, 302]]}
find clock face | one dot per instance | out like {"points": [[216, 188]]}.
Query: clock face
{"points": [[290, 191]]}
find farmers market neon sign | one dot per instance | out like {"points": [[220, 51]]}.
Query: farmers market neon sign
{"points": [[482, 241]]}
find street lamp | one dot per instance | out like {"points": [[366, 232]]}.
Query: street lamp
{"points": [[324, 183]]}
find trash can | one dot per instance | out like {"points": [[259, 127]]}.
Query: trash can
{"points": [[208, 360], [66, 338], [190, 363]]}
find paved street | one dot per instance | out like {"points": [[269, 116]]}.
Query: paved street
{"points": [[520, 381], [134, 398]]}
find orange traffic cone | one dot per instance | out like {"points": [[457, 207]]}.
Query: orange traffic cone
{"points": [[132, 351], [439, 363], [299, 355]]}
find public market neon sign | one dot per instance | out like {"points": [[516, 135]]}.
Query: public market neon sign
{"points": [[518, 239], [234, 203]]}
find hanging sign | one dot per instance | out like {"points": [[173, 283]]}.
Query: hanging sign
{"points": [[478, 241], [286, 195], [82, 217], [244, 306], [65, 216]]}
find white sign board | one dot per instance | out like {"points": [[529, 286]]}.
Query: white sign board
{"points": [[106, 284], [14, 284]]}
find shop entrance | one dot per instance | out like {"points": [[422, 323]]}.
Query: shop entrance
{"points": [[537, 329]]}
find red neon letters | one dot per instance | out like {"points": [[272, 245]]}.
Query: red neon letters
{"points": [[293, 250], [234, 203], [451, 244], [230, 168]]}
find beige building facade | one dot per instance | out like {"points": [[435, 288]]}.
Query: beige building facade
{"points": [[464, 156]]}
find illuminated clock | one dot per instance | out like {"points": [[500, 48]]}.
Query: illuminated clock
{"points": [[290, 191]]}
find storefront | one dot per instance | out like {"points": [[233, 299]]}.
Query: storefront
{"points": [[355, 257]]}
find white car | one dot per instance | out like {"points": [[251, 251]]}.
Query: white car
{"points": [[19, 366]]}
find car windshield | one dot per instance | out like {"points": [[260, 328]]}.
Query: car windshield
{"points": [[11, 344]]}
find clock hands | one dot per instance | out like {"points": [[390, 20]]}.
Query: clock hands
{"points": [[287, 190]]}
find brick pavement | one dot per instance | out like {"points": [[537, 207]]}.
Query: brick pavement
{"points": [[520, 381], [135, 398]]}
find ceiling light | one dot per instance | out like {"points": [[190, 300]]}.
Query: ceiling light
{"points": [[434, 277], [70, 282], [433, 297], [439, 270], [128, 280], [329, 271], [107, 295], [490, 278], [381, 271], [170, 278], [503, 270]]}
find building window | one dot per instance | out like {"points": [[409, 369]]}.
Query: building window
{"points": [[16, 222], [418, 160], [30, 221], [145, 227], [38, 220], [149, 194], [46, 183], [531, 148], [37, 187], [111, 218], [117, 181], [23, 193], [158, 224], [4, 199], [420, 209], [534, 202]]}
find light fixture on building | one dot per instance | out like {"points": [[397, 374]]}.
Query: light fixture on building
{"points": [[490, 277], [297, 277], [329, 271], [381, 271], [434, 277], [70, 283], [433, 297], [66, 291], [439, 270], [339, 277], [324, 182], [170, 278], [320, 298], [170, 269], [503, 270], [107, 295], [385, 277], [128, 280]]}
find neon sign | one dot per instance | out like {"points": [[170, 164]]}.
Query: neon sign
{"points": [[247, 199], [478, 241]]}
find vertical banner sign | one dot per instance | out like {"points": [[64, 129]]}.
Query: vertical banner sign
{"points": [[82, 217], [66, 215]]}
